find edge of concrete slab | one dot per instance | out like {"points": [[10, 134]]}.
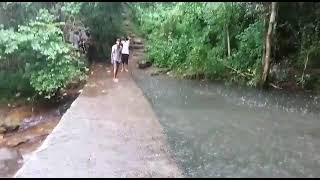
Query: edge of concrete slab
{"points": [[45, 143]]}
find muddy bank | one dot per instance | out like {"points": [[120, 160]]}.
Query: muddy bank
{"points": [[25, 125]]}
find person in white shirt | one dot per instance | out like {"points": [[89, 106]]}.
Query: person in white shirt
{"points": [[125, 53], [116, 58]]}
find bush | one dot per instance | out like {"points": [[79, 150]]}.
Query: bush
{"points": [[49, 62], [191, 38]]}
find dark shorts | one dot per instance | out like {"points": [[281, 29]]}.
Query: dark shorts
{"points": [[125, 58], [116, 63]]}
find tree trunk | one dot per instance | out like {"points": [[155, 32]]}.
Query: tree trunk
{"points": [[268, 46], [227, 31], [228, 41], [264, 41]]}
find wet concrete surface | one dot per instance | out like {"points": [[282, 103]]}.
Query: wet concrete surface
{"points": [[110, 130]]}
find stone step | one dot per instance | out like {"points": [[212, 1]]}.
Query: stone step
{"points": [[137, 46], [138, 42], [140, 51], [137, 39]]}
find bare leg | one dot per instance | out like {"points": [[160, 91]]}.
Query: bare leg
{"points": [[115, 72], [122, 67], [127, 64], [126, 69]]}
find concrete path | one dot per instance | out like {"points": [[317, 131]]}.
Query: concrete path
{"points": [[109, 131]]}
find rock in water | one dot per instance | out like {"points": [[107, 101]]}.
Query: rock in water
{"points": [[145, 65], [10, 161]]}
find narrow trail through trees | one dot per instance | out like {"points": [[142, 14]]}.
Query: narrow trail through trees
{"points": [[110, 130]]}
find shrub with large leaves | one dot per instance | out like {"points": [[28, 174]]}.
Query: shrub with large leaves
{"points": [[50, 62], [192, 38]]}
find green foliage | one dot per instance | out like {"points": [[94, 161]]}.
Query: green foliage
{"points": [[297, 39], [13, 14], [104, 20], [71, 8], [33, 49], [191, 38], [50, 63], [10, 80]]}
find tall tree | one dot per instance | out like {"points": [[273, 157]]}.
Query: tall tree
{"points": [[268, 44]]}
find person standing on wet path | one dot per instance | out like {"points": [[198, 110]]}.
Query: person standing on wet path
{"points": [[116, 58], [125, 53]]}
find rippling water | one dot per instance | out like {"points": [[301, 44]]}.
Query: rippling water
{"points": [[219, 131]]}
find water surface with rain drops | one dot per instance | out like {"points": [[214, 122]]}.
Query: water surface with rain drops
{"points": [[215, 130]]}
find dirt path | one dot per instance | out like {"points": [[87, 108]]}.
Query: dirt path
{"points": [[110, 130]]}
